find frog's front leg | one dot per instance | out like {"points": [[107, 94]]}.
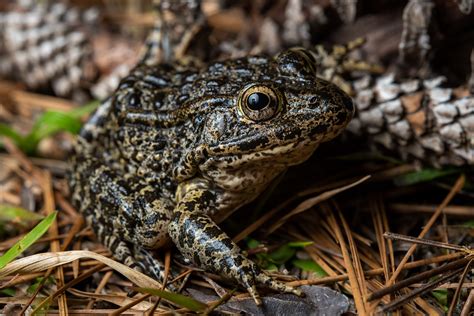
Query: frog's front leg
{"points": [[198, 238]]}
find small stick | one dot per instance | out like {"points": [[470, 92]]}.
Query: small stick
{"points": [[426, 242], [458, 289], [222, 300], [418, 277], [71, 283], [468, 304], [129, 305], [414, 294]]}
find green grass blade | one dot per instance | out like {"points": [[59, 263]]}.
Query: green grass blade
{"points": [[441, 296], [310, 265], [47, 124], [469, 224], [27, 240], [9, 132], [8, 292], [179, 299], [51, 122], [86, 109], [300, 244], [282, 254], [13, 213], [424, 175]]}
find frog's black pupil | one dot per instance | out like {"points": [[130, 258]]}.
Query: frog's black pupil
{"points": [[257, 101]]}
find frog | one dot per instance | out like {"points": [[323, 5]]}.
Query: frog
{"points": [[178, 148]]}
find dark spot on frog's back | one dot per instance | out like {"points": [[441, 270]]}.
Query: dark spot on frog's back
{"points": [[158, 144], [216, 67], [155, 81], [183, 98], [127, 82], [159, 99], [213, 84], [132, 99]]}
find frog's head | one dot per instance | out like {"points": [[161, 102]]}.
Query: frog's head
{"points": [[281, 111]]}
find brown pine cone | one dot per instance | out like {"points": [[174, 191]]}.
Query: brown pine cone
{"points": [[45, 47], [419, 119]]}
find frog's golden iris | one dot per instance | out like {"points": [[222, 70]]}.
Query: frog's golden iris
{"points": [[259, 102]]}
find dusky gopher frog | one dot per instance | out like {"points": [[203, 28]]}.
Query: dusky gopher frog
{"points": [[177, 149]]}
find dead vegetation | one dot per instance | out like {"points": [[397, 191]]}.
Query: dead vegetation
{"points": [[392, 236]]}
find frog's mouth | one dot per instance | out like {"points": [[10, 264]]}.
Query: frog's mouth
{"points": [[281, 155]]}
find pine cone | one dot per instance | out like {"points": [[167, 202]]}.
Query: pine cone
{"points": [[45, 47], [417, 118]]}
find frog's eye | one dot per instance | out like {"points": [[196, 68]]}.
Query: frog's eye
{"points": [[259, 103]]}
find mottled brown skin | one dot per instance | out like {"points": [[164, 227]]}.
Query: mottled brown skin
{"points": [[176, 150]]}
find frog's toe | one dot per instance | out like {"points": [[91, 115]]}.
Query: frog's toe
{"points": [[253, 292], [269, 282]]}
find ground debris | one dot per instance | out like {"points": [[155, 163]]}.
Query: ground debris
{"points": [[318, 301]]}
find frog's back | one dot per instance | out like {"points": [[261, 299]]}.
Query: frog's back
{"points": [[129, 148], [136, 132]]}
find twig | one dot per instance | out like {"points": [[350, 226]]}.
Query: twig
{"points": [[426, 242], [71, 283], [376, 211], [222, 300], [49, 207], [99, 288], [452, 210], [418, 277], [467, 306], [458, 289], [428, 287], [129, 305], [151, 311]]}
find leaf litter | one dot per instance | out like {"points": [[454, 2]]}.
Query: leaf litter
{"points": [[347, 238]]}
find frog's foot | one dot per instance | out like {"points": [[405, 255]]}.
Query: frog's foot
{"points": [[250, 275], [271, 283], [137, 258], [198, 238], [149, 264]]}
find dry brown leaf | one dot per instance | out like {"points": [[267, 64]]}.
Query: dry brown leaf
{"points": [[44, 261]]}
